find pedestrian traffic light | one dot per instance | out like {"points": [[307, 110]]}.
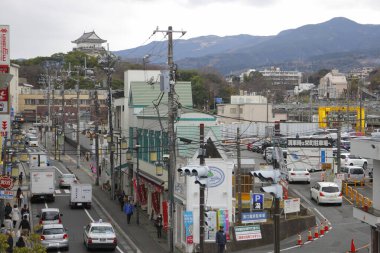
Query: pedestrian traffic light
{"points": [[267, 175], [275, 190]]}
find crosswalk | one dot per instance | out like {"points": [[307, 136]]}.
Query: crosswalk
{"points": [[63, 191]]}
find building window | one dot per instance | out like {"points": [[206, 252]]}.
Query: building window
{"points": [[123, 108], [233, 110]]}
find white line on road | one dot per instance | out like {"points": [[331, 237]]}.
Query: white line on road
{"points": [[320, 213], [66, 191]]}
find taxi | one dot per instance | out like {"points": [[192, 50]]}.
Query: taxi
{"points": [[99, 235]]}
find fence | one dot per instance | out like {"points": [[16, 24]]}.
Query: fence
{"points": [[355, 196]]}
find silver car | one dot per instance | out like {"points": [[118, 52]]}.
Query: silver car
{"points": [[65, 180], [54, 236]]}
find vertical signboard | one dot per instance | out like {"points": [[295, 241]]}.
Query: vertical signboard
{"points": [[4, 49], [223, 220], [210, 228], [189, 224], [4, 101]]}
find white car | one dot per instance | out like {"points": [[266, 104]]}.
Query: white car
{"points": [[32, 130], [352, 160], [298, 175], [326, 192], [65, 180], [99, 235], [54, 236]]}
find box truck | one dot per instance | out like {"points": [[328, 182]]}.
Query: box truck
{"points": [[42, 183], [81, 195]]}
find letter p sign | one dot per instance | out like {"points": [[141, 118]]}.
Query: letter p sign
{"points": [[257, 201]]}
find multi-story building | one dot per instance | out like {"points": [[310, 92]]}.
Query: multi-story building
{"points": [[278, 77], [90, 43], [332, 85]]}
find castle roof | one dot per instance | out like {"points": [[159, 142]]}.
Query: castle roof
{"points": [[89, 37]]}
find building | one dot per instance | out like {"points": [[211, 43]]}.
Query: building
{"points": [[247, 108], [13, 89], [284, 78], [89, 43], [332, 85], [303, 87]]}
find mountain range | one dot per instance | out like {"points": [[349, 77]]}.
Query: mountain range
{"points": [[338, 43]]}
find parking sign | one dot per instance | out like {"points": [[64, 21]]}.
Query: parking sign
{"points": [[257, 201]]}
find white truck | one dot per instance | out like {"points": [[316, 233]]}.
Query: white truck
{"points": [[81, 195], [42, 183]]}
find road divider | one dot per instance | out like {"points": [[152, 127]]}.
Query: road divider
{"points": [[359, 199]]}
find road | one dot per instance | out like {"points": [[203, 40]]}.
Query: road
{"points": [[344, 226]]}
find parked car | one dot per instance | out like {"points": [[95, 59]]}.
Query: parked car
{"points": [[342, 150], [375, 133], [326, 192], [65, 180], [267, 154], [256, 147], [32, 130], [353, 174], [348, 159], [54, 236], [99, 235], [298, 175], [50, 216]]}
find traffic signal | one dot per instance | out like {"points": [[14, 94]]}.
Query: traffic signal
{"points": [[267, 175], [275, 190], [200, 172]]}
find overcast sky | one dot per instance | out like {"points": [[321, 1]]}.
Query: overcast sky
{"points": [[44, 27]]}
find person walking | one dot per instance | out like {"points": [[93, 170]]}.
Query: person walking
{"points": [[221, 239], [121, 199], [128, 210], [158, 224], [20, 177], [8, 210], [24, 226], [15, 215], [25, 211], [10, 242], [19, 196]]}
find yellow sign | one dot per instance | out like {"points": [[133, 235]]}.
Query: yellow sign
{"points": [[326, 166]]}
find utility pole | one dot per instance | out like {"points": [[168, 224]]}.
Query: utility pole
{"points": [[172, 108], [78, 123], [338, 142], [201, 189], [63, 117], [97, 136], [238, 176], [137, 147]]}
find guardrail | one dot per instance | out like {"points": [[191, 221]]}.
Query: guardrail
{"points": [[355, 196]]}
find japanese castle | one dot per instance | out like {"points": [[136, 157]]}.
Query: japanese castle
{"points": [[90, 43]]}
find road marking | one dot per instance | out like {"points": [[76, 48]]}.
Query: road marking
{"points": [[67, 191], [57, 191], [46, 206], [348, 200], [59, 170], [320, 213]]}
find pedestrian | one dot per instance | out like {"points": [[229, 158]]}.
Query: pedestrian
{"points": [[21, 242], [158, 224], [19, 196], [25, 210], [8, 210], [20, 176], [15, 215], [121, 199], [24, 226], [128, 210], [221, 239], [10, 242]]}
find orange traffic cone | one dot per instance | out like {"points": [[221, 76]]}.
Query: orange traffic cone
{"points": [[299, 240], [316, 234], [353, 249], [322, 230], [326, 226], [309, 236]]}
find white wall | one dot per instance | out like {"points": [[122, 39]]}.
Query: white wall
{"points": [[13, 88]]}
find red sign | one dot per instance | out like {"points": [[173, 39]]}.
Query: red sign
{"points": [[4, 95], [4, 124], [165, 214], [6, 183]]}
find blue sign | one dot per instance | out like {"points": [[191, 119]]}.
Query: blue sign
{"points": [[257, 201], [6, 194], [254, 217], [323, 156], [218, 100]]}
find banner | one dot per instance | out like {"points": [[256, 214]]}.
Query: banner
{"points": [[244, 233], [4, 45], [165, 214], [210, 226], [223, 220], [156, 202], [189, 223], [4, 95]]}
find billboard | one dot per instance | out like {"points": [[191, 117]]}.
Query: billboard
{"points": [[4, 46]]}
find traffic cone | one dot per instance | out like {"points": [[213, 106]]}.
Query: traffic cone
{"points": [[326, 226], [309, 236], [353, 249], [316, 234], [322, 230], [299, 240]]}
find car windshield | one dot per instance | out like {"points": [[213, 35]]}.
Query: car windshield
{"points": [[50, 216], [353, 157], [68, 176], [357, 171], [102, 230], [33, 139], [330, 189], [53, 231], [299, 169]]}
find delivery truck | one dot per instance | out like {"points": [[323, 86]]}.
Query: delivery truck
{"points": [[42, 183], [81, 195]]}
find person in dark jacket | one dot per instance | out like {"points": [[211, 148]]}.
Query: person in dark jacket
{"points": [[10, 242], [128, 210], [24, 226], [8, 210], [221, 240], [158, 224], [20, 243]]}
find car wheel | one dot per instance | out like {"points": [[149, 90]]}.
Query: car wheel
{"points": [[308, 182], [340, 204], [351, 164], [365, 165]]}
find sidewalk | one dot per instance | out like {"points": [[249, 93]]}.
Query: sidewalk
{"points": [[144, 234]]}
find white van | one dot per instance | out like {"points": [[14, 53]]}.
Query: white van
{"points": [[31, 140]]}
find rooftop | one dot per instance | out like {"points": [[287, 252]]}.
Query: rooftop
{"points": [[89, 37]]}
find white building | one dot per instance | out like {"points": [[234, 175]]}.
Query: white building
{"points": [[14, 88], [303, 87], [332, 85], [282, 77]]}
